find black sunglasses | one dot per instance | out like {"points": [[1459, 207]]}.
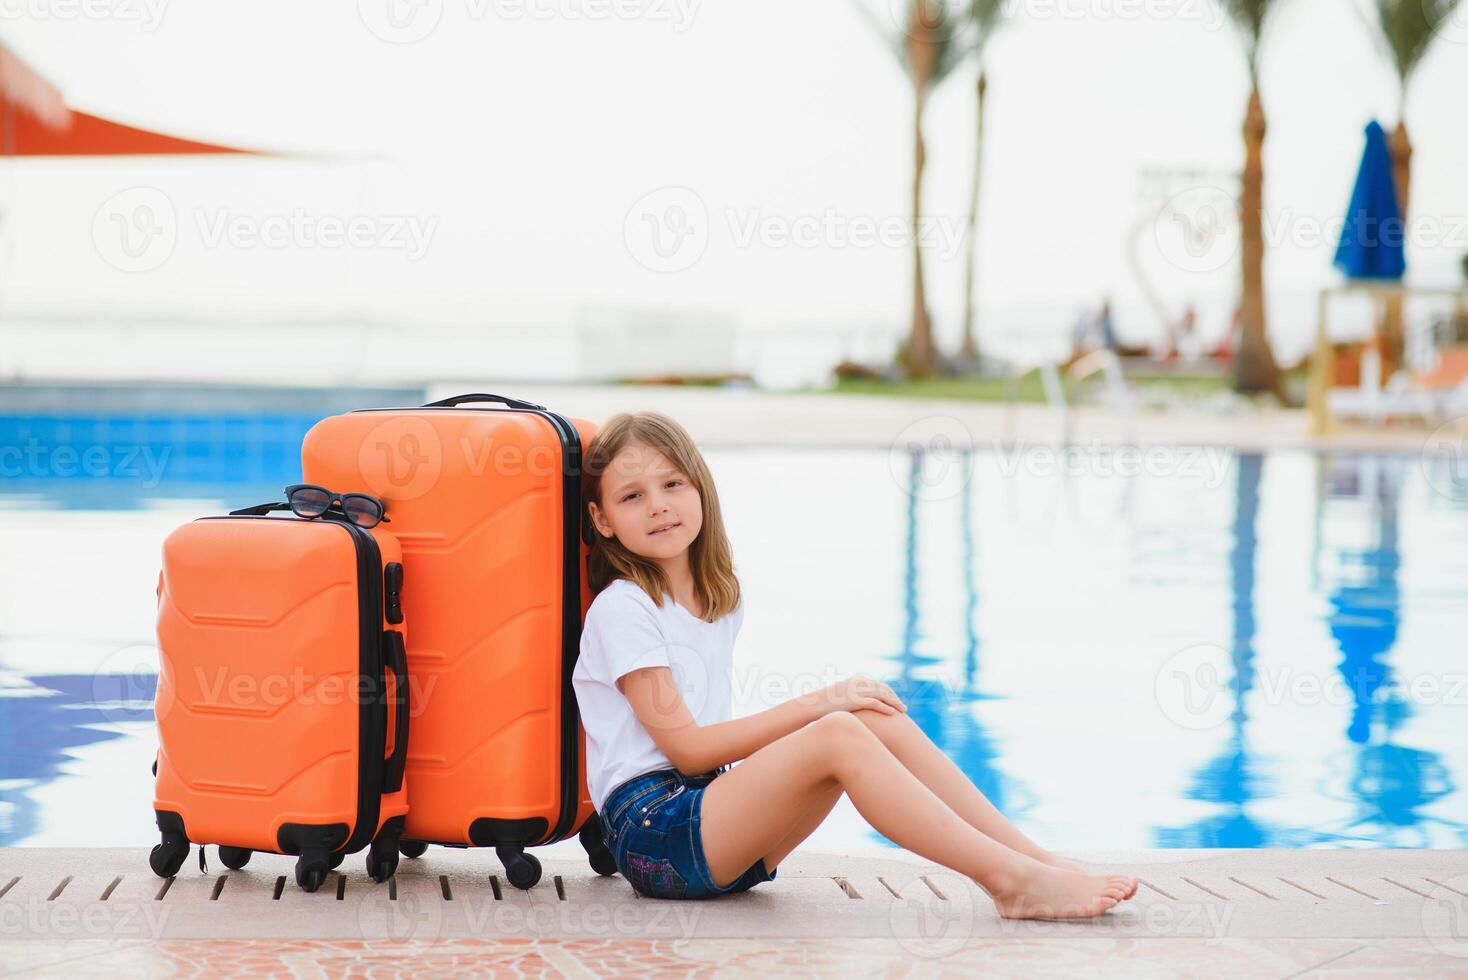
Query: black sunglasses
{"points": [[309, 501]]}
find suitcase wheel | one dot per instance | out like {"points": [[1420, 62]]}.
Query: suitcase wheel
{"points": [[412, 848], [167, 857], [234, 858], [382, 858], [311, 868], [522, 870], [597, 855]]}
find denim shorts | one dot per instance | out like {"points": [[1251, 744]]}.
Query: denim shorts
{"points": [[651, 826]]}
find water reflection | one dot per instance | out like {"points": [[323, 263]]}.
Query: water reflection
{"points": [[1389, 783], [944, 711], [1231, 780], [44, 719]]}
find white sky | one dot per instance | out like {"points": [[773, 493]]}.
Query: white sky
{"points": [[521, 133]]}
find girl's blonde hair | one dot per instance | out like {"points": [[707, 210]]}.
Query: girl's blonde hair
{"points": [[710, 556]]}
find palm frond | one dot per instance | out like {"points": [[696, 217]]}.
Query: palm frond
{"points": [[1248, 14], [986, 16], [1250, 17], [882, 29], [1409, 27], [929, 38]]}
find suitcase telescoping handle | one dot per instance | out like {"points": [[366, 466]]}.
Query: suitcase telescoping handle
{"points": [[480, 396], [397, 662]]}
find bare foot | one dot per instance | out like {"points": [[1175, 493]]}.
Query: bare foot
{"points": [[1065, 864], [1041, 891]]}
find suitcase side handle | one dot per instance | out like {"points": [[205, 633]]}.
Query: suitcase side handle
{"points": [[397, 662], [479, 396]]}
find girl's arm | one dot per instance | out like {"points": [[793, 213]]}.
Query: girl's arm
{"points": [[695, 748]]}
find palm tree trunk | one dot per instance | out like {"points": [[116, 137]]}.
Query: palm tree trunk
{"points": [[1400, 146], [969, 350], [920, 359], [1393, 334], [1255, 369]]}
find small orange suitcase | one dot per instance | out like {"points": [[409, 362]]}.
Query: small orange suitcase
{"points": [[282, 693], [486, 504]]}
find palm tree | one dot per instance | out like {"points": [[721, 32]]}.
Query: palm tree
{"points": [[1255, 369], [985, 15], [1407, 31], [929, 44]]}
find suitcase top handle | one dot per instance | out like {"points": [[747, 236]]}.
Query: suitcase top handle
{"points": [[480, 396]]}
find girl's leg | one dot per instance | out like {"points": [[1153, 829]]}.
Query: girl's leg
{"points": [[814, 815], [926, 761], [760, 804]]}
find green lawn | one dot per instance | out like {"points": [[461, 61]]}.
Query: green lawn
{"points": [[1030, 390], [1180, 386]]}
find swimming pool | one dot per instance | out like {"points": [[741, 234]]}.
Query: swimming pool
{"points": [[1203, 649]]}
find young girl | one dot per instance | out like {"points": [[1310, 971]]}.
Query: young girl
{"points": [[654, 687]]}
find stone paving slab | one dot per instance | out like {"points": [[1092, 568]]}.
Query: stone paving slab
{"points": [[1063, 959], [110, 894]]}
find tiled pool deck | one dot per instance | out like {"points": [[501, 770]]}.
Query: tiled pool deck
{"points": [[1270, 913]]}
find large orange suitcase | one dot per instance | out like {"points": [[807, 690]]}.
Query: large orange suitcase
{"points": [[486, 504], [282, 700]]}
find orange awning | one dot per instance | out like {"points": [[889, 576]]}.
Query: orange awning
{"points": [[35, 121]]}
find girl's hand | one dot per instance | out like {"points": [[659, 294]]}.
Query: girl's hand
{"points": [[857, 693]]}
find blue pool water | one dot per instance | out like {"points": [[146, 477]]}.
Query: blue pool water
{"points": [[1218, 650]]}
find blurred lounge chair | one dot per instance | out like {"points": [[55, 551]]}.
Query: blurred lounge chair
{"points": [[1053, 374], [1433, 395]]}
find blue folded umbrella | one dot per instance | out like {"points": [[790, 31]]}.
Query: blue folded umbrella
{"points": [[1372, 236]]}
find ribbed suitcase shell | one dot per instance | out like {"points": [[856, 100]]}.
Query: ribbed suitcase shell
{"points": [[261, 726], [485, 503]]}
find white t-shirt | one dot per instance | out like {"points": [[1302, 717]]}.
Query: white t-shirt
{"points": [[626, 631]]}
